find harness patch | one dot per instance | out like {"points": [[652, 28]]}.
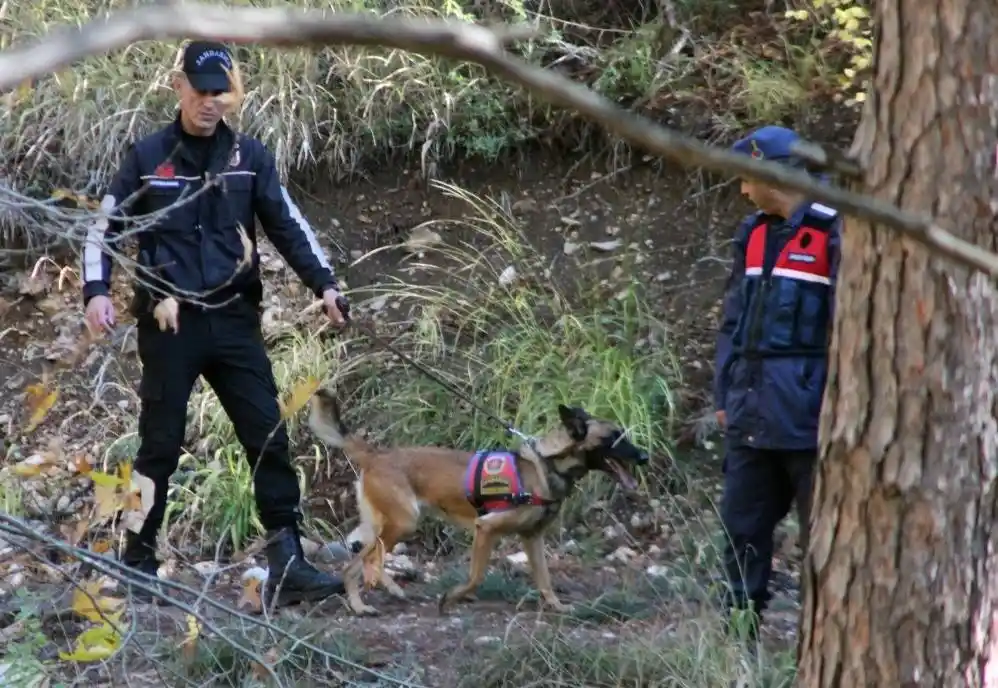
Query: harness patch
{"points": [[804, 258], [492, 482]]}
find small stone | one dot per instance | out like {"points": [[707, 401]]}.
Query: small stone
{"points": [[570, 547], [332, 552], [207, 568], [255, 573], [488, 640], [606, 246], [622, 555], [507, 277], [657, 571], [518, 559]]}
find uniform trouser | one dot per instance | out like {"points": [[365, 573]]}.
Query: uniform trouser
{"points": [[759, 487], [226, 347]]}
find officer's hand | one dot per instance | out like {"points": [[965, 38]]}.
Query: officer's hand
{"points": [[100, 314], [722, 418], [335, 305]]}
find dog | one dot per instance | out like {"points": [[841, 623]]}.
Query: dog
{"points": [[491, 493]]}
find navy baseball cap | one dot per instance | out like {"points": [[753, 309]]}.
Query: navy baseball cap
{"points": [[205, 63], [768, 143]]}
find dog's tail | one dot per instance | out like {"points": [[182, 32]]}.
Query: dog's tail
{"points": [[326, 422]]}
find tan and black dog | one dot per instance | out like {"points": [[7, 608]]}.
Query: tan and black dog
{"points": [[492, 493]]}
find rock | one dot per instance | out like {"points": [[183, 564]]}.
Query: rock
{"points": [[570, 547], [400, 563], [518, 559], [207, 568], [488, 640], [657, 571], [332, 552], [622, 555], [606, 246], [507, 277], [256, 573], [571, 248], [525, 205], [420, 239]]}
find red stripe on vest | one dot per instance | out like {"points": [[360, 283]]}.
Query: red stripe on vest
{"points": [[755, 252], [805, 257]]}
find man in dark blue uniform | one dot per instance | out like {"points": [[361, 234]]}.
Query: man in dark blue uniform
{"points": [[771, 367], [210, 184]]}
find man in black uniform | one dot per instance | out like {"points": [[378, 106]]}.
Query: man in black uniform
{"points": [[194, 254]]}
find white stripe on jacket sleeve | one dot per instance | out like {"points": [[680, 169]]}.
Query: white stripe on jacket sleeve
{"points": [[306, 229], [93, 252]]}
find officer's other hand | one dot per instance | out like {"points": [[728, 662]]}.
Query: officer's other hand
{"points": [[722, 418], [99, 314], [334, 304], [167, 314]]}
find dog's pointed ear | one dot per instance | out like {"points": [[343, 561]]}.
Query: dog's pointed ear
{"points": [[574, 420]]}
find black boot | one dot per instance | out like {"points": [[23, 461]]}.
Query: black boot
{"points": [[295, 579], [140, 555]]}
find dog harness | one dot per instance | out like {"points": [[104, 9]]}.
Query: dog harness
{"points": [[492, 482]]}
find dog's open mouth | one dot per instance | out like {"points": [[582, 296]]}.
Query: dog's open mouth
{"points": [[623, 475]]}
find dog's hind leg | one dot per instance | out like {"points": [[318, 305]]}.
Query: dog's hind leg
{"points": [[353, 576], [537, 560], [391, 511], [391, 536], [481, 552]]}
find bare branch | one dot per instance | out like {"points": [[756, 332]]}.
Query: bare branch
{"points": [[176, 594], [461, 41]]}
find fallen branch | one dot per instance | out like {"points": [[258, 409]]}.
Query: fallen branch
{"points": [[156, 587], [462, 41]]}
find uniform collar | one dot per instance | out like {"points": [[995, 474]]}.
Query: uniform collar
{"points": [[798, 214], [223, 138], [795, 217]]}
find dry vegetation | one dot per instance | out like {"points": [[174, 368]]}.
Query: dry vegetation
{"points": [[518, 342]]}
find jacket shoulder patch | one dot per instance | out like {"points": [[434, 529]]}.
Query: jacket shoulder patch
{"points": [[823, 210]]}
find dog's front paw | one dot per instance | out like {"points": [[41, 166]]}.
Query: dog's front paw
{"points": [[560, 607], [365, 610], [395, 590], [556, 605]]}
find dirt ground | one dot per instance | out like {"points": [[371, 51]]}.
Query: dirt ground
{"points": [[677, 224]]}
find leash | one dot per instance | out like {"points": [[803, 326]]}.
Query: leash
{"points": [[368, 331]]}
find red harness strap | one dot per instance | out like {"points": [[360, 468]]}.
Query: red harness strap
{"points": [[492, 482]]}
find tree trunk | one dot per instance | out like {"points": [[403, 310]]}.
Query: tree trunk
{"points": [[901, 583]]}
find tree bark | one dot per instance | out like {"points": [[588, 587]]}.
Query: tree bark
{"points": [[901, 582]]}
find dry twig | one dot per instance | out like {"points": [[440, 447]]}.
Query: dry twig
{"points": [[24, 534]]}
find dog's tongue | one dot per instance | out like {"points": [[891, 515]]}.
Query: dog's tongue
{"points": [[624, 476]]}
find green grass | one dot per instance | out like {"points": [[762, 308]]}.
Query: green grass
{"points": [[691, 653], [342, 108], [517, 350]]}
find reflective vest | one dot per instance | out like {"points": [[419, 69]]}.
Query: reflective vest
{"points": [[785, 306]]}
